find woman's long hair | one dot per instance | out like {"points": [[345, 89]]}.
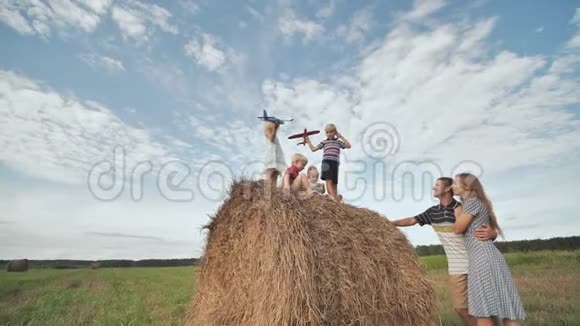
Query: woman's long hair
{"points": [[471, 183]]}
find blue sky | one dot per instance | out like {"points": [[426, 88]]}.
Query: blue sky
{"points": [[489, 86]]}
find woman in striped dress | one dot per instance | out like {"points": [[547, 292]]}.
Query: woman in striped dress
{"points": [[491, 292]]}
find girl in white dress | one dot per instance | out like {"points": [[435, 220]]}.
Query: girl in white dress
{"points": [[274, 162]]}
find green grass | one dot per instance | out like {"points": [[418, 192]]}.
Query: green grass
{"points": [[116, 296], [549, 283]]}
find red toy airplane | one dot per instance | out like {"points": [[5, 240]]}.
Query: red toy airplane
{"points": [[303, 135]]}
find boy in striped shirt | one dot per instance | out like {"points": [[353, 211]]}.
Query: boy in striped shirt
{"points": [[331, 147]]}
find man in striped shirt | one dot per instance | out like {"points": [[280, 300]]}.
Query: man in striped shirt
{"points": [[331, 147], [442, 217]]}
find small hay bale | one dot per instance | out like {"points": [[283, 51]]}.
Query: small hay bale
{"points": [[275, 259], [17, 265], [95, 265]]}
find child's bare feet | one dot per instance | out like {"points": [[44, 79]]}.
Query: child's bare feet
{"points": [[304, 194], [337, 199]]}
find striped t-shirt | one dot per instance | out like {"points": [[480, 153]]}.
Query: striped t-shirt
{"points": [[331, 149], [442, 218]]}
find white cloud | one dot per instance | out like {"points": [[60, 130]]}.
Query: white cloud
{"points": [[205, 50], [576, 18], [112, 64], [189, 5], [255, 13], [42, 18], [10, 15], [449, 100], [422, 9], [326, 11], [138, 20], [167, 74], [68, 223], [56, 137], [229, 140], [99, 61], [358, 26], [98, 6], [574, 42], [565, 64], [290, 25]]}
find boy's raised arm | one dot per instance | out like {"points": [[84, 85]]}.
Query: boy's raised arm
{"points": [[346, 142], [312, 147]]}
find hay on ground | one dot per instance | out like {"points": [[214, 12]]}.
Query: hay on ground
{"points": [[17, 265], [275, 259]]}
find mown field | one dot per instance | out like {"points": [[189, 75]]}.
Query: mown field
{"points": [[549, 283]]}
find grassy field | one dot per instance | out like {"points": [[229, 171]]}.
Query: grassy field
{"points": [[549, 283]]}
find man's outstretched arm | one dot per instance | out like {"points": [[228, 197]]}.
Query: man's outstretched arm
{"points": [[408, 221]]}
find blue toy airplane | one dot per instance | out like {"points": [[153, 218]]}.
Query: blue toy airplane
{"points": [[265, 117]]}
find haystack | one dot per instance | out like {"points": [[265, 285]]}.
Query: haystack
{"points": [[17, 265], [275, 259]]}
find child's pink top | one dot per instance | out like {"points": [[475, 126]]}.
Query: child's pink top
{"points": [[293, 171]]}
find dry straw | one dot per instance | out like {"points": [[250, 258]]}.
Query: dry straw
{"points": [[17, 265], [275, 259]]}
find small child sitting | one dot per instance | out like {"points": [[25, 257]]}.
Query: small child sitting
{"points": [[313, 180], [293, 180]]}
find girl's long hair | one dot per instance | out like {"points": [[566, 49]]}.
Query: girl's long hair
{"points": [[472, 184]]}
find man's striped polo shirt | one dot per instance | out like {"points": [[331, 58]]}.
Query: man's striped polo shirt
{"points": [[442, 218]]}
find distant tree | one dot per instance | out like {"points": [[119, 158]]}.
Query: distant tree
{"points": [[568, 243]]}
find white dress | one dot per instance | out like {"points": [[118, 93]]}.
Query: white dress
{"points": [[274, 156]]}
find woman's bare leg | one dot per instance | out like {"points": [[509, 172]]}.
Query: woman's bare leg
{"points": [[485, 322], [467, 319], [509, 322]]}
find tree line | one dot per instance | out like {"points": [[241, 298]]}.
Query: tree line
{"points": [[567, 243], [73, 264]]}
